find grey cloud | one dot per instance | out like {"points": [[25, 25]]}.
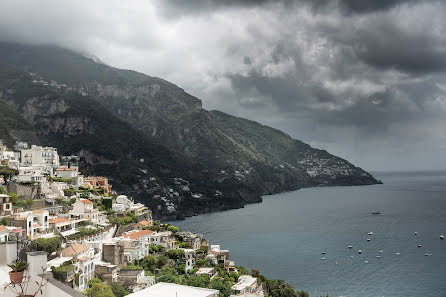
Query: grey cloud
{"points": [[386, 46], [343, 75]]}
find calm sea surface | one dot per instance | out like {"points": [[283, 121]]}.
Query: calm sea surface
{"points": [[285, 235]]}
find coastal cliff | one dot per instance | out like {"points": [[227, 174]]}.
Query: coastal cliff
{"points": [[154, 140]]}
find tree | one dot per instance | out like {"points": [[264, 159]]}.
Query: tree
{"points": [[118, 289], [201, 281], [98, 289], [175, 254], [173, 229], [161, 261], [27, 203], [4, 221], [49, 245], [222, 286], [148, 263], [7, 173]]}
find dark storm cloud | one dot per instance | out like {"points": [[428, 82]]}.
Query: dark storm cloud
{"points": [[384, 45], [344, 75]]}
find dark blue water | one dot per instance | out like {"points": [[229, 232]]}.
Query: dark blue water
{"points": [[285, 235]]}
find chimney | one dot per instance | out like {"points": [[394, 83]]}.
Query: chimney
{"points": [[8, 252], [37, 261]]}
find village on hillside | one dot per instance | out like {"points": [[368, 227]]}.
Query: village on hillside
{"points": [[71, 235]]}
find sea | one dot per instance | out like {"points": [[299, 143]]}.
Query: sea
{"points": [[286, 235]]}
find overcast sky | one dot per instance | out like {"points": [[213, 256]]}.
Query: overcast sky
{"points": [[363, 79]]}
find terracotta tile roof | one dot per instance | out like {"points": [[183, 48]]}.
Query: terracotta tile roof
{"points": [[144, 223], [3, 228], [39, 210], [73, 250], [86, 201], [36, 225], [58, 220], [137, 234]]}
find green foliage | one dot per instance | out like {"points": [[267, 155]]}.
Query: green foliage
{"points": [[278, 288], [201, 281], [69, 192], [7, 173], [201, 262], [59, 179], [153, 228], [60, 273], [173, 229], [82, 232], [2, 190], [169, 275], [183, 245], [107, 203], [223, 286], [18, 266], [181, 268], [155, 248], [132, 266], [98, 289], [27, 203], [4, 221], [175, 254], [118, 289], [161, 261], [149, 262], [125, 220], [48, 245]]}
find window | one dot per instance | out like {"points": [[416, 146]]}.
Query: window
{"points": [[7, 206]]}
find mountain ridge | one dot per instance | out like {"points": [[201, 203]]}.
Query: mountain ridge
{"points": [[262, 159]]}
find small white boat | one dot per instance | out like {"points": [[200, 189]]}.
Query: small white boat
{"points": [[371, 233], [359, 251], [368, 239], [416, 233], [366, 262], [428, 255], [441, 236], [322, 258], [381, 251], [376, 212], [397, 254], [419, 245], [323, 253], [378, 257], [350, 246]]}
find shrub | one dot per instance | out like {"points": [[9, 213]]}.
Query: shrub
{"points": [[175, 254], [48, 245]]}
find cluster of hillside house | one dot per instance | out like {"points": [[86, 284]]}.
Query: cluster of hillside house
{"points": [[93, 242]]}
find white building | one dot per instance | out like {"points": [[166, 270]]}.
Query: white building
{"points": [[164, 239], [10, 158], [34, 222], [174, 290], [35, 174], [38, 156], [84, 258], [247, 284], [124, 204], [136, 244], [189, 255], [71, 173], [83, 208], [4, 234]]}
